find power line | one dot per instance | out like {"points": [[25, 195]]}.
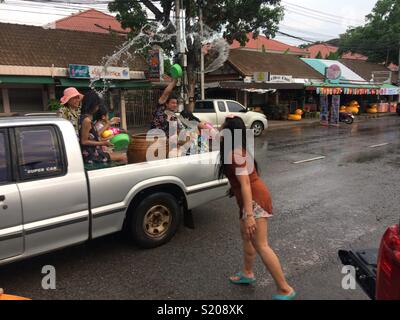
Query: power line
{"points": [[307, 31], [61, 6], [312, 16], [346, 48], [329, 15], [46, 13]]}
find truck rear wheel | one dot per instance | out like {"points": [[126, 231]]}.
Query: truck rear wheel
{"points": [[155, 220]]}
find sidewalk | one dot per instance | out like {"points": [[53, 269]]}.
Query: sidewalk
{"points": [[274, 125], [286, 124]]}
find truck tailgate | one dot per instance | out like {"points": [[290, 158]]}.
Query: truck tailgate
{"points": [[365, 264]]}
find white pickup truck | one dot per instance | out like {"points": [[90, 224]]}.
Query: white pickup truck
{"points": [[215, 112], [49, 200]]}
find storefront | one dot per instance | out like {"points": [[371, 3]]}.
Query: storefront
{"points": [[343, 89], [274, 83], [33, 77], [24, 93]]}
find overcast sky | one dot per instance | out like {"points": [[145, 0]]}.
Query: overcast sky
{"points": [[311, 20]]}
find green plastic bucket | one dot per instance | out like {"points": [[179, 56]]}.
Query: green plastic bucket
{"points": [[120, 141], [176, 71]]}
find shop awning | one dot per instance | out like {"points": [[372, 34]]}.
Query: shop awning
{"points": [[131, 84], [114, 84], [25, 80], [389, 90], [239, 85], [343, 85], [354, 89], [320, 65]]}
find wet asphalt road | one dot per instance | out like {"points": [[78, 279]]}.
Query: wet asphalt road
{"points": [[346, 200]]}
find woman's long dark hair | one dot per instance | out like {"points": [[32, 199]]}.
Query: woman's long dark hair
{"points": [[90, 103], [236, 127]]}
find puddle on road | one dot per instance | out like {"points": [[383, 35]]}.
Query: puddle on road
{"points": [[394, 163], [372, 154], [363, 157]]}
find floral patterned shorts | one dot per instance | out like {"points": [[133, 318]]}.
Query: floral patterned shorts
{"points": [[258, 212]]}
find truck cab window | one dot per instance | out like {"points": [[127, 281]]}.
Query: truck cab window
{"points": [[39, 152], [221, 106], [234, 107], [4, 168], [204, 107]]}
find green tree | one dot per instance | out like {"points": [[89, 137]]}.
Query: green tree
{"points": [[167, 66], [379, 38], [333, 56], [233, 19]]}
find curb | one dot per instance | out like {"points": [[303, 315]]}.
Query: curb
{"points": [[293, 125]]}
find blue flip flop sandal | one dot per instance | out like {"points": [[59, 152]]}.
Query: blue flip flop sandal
{"points": [[242, 279], [285, 298]]}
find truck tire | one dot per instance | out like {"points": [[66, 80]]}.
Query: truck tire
{"points": [[155, 220], [258, 128]]}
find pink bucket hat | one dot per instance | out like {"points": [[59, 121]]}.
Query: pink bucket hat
{"points": [[70, 93]]}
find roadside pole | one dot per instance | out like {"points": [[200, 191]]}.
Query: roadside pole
{"points": [[123, 110], [398, 73], [180, 42], [201, 52]]}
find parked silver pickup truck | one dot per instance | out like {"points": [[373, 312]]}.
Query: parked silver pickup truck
{"points": [[48, 200], [215, 111]]}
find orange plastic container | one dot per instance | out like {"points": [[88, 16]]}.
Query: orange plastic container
{"points": [[11, 297]]}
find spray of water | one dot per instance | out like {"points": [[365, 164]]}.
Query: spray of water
{"points": [[153, 34]]}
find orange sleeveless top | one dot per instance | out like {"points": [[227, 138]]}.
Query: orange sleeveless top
{"points": [[259, 191]]}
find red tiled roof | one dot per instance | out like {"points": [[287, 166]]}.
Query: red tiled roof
{"points": [[269, 45], [326, 49], [354, 56], [91, 21]]}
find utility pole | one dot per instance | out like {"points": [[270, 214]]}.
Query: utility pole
{"points": [[398, 69], [181, 46], [202, 90]]}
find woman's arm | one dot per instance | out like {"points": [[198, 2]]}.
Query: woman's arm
{"points": [[85, 131], [245, 189], [242, 175]]}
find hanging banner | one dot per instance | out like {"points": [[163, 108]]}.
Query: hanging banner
{"points": [[334, 117], [155, 61], [324, 101]]}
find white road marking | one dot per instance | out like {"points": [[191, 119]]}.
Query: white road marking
{"points": [[309, 160], [379, 145]]}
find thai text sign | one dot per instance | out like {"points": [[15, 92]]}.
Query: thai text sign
{"points": [[98, 72], [280, 78]]}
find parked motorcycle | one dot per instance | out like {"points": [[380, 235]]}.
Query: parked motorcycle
{"points": [[346, 117]]}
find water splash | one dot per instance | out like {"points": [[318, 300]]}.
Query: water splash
{"points": [[153, 34]]}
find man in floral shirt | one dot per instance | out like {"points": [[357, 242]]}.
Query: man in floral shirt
{"points": [[165, 112]]}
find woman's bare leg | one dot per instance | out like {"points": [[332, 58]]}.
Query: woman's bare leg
{"points": [[269, 257], [119, 157], [249, 255]]}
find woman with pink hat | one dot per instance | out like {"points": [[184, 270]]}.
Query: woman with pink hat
{"points": [[70, 109]]}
